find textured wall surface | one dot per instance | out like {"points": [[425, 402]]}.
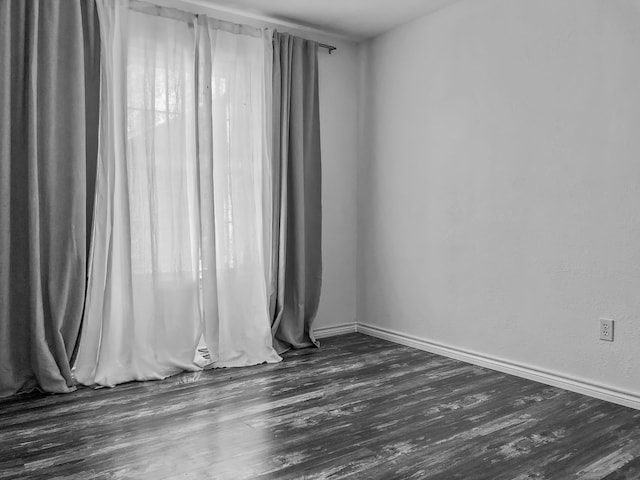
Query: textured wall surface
{"points": [[499, 183], [339, 143]]}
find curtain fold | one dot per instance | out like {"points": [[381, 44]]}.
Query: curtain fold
{"points": [[48, 89], [296, 262], [234, 86], [143, 263], [177, 260]]}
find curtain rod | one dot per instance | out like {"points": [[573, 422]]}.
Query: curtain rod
{"points": [[331, 48], [143, 6]]}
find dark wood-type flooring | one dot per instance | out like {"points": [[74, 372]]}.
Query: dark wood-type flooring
{"points": [[357, 408]]}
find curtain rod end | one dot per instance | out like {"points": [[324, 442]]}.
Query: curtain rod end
{"points": [[330, 48]]}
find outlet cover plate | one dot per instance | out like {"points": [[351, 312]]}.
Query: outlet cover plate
{"points": [[606, 329]]}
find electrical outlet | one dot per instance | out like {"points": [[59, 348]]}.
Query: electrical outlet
{"points": [[606, 329]]}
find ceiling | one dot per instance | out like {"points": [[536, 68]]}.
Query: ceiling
{"points": [[357, 19]]}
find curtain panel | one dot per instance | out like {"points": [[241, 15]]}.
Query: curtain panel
{"points": [[296, 262], [49, 95], [177, 262]]}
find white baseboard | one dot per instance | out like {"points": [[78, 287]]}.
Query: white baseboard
{"points": [[334, 330], [628, 399]]}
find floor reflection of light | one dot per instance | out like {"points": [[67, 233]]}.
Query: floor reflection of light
{"points": [[215, 437]]}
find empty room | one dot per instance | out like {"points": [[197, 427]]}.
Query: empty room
{"points": [[369, 239]]}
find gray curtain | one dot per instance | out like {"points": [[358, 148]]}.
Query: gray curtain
{"points": [[49, 94], [296, 254]]}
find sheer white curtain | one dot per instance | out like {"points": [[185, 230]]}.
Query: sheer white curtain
{"points": [[234, 75], [178, 243]]}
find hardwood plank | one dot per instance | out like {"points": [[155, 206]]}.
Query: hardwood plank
{"points": [[359, 407]]}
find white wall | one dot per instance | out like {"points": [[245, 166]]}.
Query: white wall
{"points": [[339, 143], [499, 183]]}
